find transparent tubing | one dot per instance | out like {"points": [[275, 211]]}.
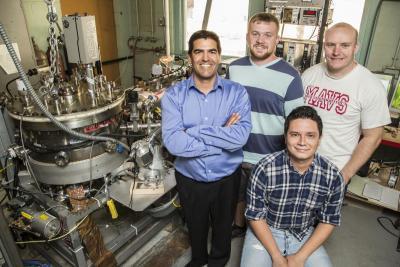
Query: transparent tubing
{"points": [[38, 102]]}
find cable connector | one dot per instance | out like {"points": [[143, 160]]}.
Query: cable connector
{"points": [[15, 151]]}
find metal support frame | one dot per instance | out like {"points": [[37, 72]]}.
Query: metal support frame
{"points": [[144, 235], [8, 249], [124, 246], [137, 229], [73, 254], [322, 30], [206, 15]]}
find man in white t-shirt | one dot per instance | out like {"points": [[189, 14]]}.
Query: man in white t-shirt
{"points": [[350, 100]]}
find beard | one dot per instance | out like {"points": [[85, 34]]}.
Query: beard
{"points": [[264, 56]]}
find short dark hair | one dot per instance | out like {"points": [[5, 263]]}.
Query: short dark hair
{"points": [[303, 112], [204, 34], [264, 17]]}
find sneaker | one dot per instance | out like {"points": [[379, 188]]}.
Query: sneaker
{"points": [[238, 231]]}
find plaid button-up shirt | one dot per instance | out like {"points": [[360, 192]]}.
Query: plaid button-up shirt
{"points": [[292, 201]]}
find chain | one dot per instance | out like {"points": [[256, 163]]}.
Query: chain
{"points": [[52, 18]]}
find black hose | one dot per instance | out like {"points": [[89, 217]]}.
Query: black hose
{"points": [[116, 60], [8, 89], [125, 135], [30, 72], [58, 148]]}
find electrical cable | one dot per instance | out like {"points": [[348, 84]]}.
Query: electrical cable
{"points": [[36, 193], [98, 191], [58, 148], [141, 50], [312, 34], [8, 89], [176, 205], [131, 189], [125, 135], [90, 167], [133, 48], [98, 201], [380, 218], [31, 72], [104, 184]]}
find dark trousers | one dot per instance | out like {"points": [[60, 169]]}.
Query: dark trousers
{"points": [[205, 203]]}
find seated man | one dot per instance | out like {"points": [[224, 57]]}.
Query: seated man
{"points": [[288, 192]]}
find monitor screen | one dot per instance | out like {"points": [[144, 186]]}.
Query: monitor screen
{"points": [[395, 102], [386, 80]]}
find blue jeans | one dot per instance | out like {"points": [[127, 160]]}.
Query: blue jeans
{"points": [[254, 253]]}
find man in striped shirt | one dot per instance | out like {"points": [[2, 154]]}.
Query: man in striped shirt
{"points": [[288, 192], [274, 89]]}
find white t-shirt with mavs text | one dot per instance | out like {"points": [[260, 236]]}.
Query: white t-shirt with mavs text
{"points": [[346, 105]]}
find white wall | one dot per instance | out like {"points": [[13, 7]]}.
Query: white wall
{"points": [[385, 38], [124, 28], [138, 18], [349, 11], [38, 26], [13, 21]]}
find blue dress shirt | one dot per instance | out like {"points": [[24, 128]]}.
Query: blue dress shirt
{"points": [[193, 128]]}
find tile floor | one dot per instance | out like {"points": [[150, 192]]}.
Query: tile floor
{"points": [[359, 242]]}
